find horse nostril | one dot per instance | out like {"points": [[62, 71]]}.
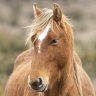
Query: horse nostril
{"points": [[37, 84]]}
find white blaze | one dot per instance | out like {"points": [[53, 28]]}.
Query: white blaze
{"points": [[43, 36]]}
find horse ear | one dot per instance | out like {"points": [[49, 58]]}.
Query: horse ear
{"points": [[57, 13], [37, 10]]}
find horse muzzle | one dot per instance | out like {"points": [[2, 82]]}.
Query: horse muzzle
{"points": [[38, 85]]}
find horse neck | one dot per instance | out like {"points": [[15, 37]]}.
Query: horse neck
{"points": [[68, 80], [61, 87], [64, 83], [67, 75]]}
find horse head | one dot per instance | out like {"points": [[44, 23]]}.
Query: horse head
{"points": [[51, 36]]}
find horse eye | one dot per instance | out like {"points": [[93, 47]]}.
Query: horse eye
{"points": [[53, 42]]}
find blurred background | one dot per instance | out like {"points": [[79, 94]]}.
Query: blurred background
{"points": [[17, 14]]}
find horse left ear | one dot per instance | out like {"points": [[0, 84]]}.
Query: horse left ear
{"points": [[37, 10], [57, 13]]}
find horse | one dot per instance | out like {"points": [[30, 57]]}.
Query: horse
{"points": [[51, 66]]}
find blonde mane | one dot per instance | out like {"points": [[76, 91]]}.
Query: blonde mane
{"points": [[39, 24]]}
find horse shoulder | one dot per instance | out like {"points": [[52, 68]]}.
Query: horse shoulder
{"points": [[86, 83], [17, 83], [23, 57]]}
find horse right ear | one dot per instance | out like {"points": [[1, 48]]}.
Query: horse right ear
{"points": [[57, 13], [37, 10]]}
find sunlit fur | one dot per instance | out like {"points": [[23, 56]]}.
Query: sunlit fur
{"points": [[59, 65]]}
